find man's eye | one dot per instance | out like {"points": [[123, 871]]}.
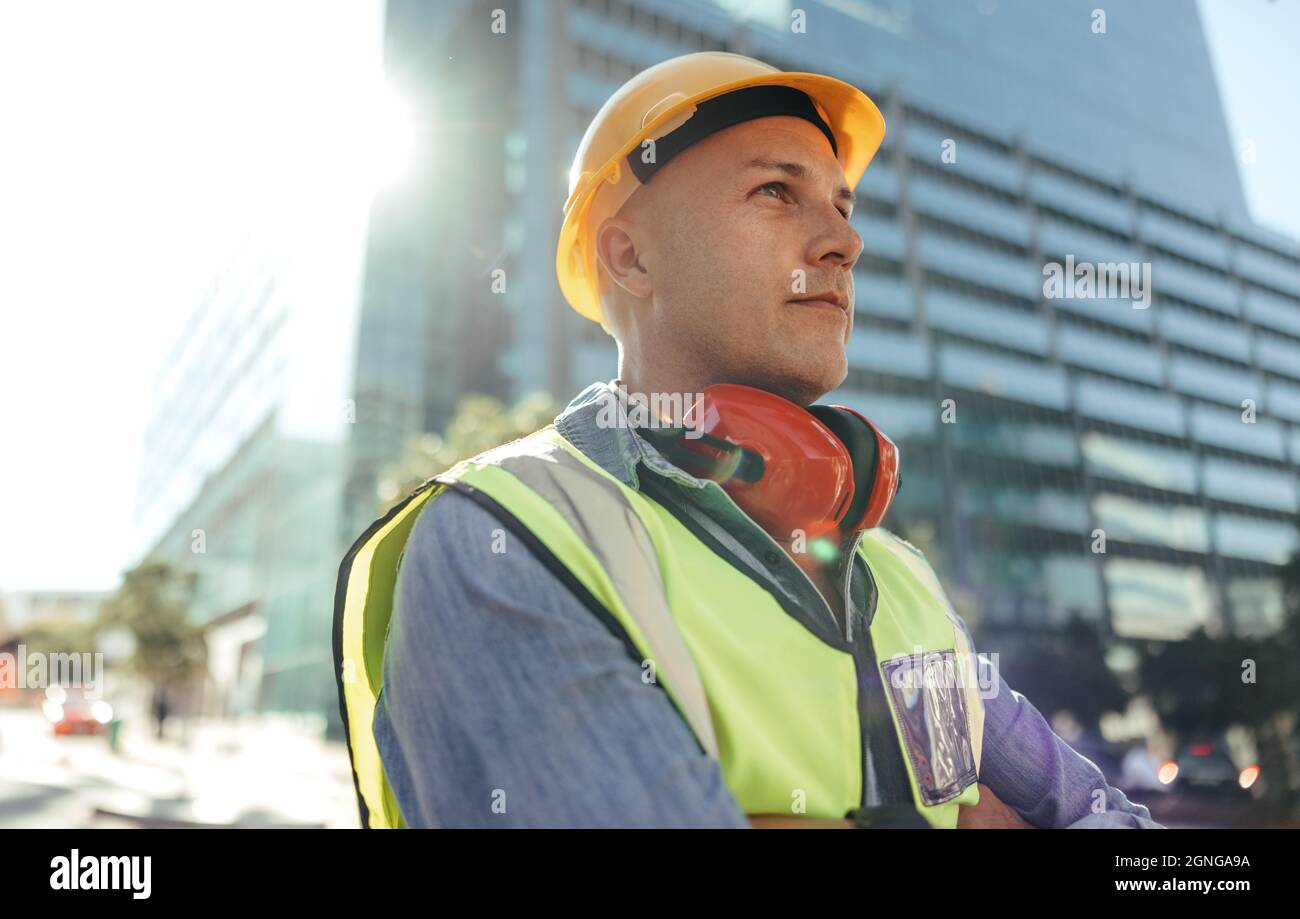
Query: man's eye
{"points": [[781, 186]]}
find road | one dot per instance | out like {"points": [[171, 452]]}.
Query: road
{"points": [[252, 772]]}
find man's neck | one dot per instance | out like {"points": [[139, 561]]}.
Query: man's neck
{"points": [[664, 377]]}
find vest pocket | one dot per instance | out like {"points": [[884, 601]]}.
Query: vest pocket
{"points": [[930, 707]]}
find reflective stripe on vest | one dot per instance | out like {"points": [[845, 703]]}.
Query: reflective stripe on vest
{"points": [[598, 512], [776, 705]]}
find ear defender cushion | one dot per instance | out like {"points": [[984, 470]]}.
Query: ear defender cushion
{"points": [[860, 441]]}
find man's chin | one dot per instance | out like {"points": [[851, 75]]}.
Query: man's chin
{"points": [[807, 383]]}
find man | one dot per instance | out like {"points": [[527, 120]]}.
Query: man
{"points": [[588, 629]]}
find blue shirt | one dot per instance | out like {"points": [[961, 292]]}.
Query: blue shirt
{"points": [[507, 703]]}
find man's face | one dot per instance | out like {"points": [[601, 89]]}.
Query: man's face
{"points": [[739, 228]]}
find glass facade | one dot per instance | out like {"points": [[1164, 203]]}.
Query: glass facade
{"points": [[1065, 456], [1170, 427], [243, 465]]}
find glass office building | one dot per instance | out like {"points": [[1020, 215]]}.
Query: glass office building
{"points": [[243, 464], [1062, 455], [1134, 464]]}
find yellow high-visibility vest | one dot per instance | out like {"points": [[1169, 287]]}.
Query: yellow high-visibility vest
{"points": [[775, 705]]}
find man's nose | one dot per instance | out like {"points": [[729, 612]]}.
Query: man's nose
{"points": [[839, 244]]}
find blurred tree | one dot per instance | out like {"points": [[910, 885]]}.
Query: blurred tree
{"points": [[152, 604], [57, 636], [1066, 670], [480, 423], [1195, 683], [1276, 709], [1202, 685]]}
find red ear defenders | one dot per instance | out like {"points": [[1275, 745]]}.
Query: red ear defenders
{"points": [[791, 469]]}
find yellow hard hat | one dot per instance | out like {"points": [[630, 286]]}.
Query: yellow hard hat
{"points": [[659, 101]]}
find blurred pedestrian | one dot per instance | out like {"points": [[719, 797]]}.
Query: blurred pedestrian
{"points": [[161, 709]]}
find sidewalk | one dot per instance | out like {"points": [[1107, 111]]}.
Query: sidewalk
{"points": [[256, 771]]}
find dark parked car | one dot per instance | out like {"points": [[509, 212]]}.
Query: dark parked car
{"points": [[1206, 769]]}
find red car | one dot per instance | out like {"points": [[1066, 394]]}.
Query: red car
{"points": [[72, 713]]}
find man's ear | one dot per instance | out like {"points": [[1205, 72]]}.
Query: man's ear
{"points": [[617, 249]]}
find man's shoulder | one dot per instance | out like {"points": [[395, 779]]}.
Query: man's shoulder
{"points": [[464, 539], [453, 526], [470, 575], [467, 572], [541, 442]]}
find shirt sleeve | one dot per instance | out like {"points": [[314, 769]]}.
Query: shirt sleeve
{"points": [[1036, 773], [508, 703]]}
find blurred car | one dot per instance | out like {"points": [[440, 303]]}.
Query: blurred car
{"points": [[1140, 772], [1205, 768], [1127, 766], [70, 712]]}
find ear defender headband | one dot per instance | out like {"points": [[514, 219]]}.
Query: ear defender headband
{"points": [[791, 469]]}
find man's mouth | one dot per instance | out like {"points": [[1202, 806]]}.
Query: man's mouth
{"points": [[830, 300]]}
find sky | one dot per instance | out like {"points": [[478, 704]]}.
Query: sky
{"points": [[1255, 47], [137, 139]]}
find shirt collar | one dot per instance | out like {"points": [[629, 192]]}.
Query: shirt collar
{"points": [[596, 422]]}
